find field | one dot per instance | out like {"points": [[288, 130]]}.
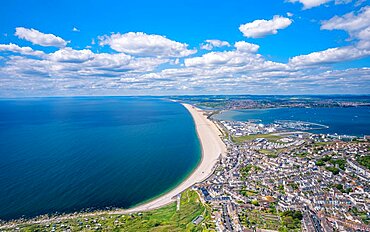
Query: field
{"points": [[269, 137], [259, 219], [271, 220], [164, 219]]}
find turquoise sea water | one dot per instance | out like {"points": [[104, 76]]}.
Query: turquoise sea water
{"points": [[68, 154], [348, 121]]}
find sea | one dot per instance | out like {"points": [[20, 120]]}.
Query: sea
{"points": [[339, 120], [67, 154]]}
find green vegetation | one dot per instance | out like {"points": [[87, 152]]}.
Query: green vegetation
{"points": [[260, 219], [280, 188], [340, 162], [340, 188], [361, 214], [269, 137], [212, 104], [294, 186], [291, 220], [163, 219], [270, 220], [323, 160], [247, 192], [269, 153], [244, 171], [272, 156], [255, 203], [364, 161], [302, 154], [320, 163], [334, 170], [326, 158], [320, 144]]}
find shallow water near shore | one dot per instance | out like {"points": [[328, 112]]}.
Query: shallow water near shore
{"points": [[69, 154]]}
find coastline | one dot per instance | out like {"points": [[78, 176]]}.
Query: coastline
{"points": [[211, 146]]}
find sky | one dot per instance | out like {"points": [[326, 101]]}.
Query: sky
{"points": [[184, 47]]}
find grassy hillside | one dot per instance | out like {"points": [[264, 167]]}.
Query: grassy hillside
{"points": [[164, 219]]}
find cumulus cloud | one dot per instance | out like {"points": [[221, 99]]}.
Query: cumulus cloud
{"points": [[21, 50], [230, 63], [212, 43], [221, 59], [357, 25], [331, 55], [260, 28], [307, 4], [70, 55], [137, 65], [353, 23], [39, 38], [243, 46], [141, 44]]}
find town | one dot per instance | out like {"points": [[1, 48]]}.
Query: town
{"points": [[274, 177], [289, 181]]}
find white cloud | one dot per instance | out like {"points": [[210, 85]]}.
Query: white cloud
{"points": [[229, 63], [261, 28], [243, 46], [219, 59], [331, 55], [338, 2], [70, 55], [353, 23], [141, 44], [39, 38], [357, 25], [75, 29], [212, 43], [136, 67], [307, 4], [21, 50]]}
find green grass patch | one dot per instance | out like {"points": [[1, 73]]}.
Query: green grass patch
{"points": [[319, 144], [244, 171], [162, 219], [259, 219], [340, 162], [364, 161], [269, 153], [302, 154], [270, 220], [334, 170], [247, 192], [269, 137]]}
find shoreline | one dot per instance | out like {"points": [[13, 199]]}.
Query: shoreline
{"points": [[212, 147]]}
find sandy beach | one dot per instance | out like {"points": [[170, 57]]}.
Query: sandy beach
{"points": [[212, 148]]}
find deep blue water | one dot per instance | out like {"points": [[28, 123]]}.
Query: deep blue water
{"points": [[348, 121], [68, 154]]}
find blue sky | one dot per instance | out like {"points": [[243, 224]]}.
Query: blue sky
{"points": [[184, 47]]}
